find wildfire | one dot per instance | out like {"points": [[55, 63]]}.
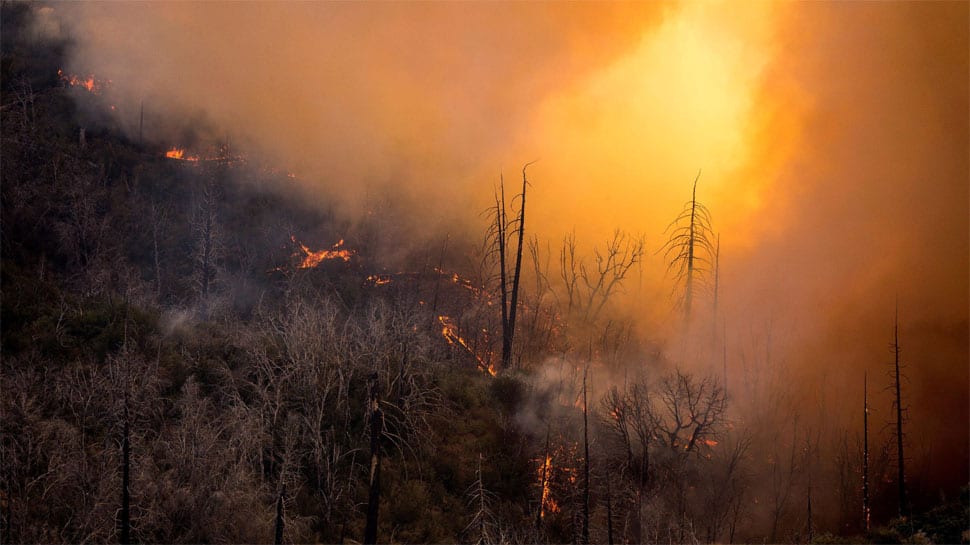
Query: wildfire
{"points": [[89, 82], [545, 501], [311, 259], [462, 282], [450, 332], [379, 279], [179, 153]]}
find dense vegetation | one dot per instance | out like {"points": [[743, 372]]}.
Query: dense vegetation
{"points": [[159, 306]]}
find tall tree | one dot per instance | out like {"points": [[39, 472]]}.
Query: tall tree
{"points": [[278, 533], [689, 247], [900, 458], [374, 489], [585, 536], [509, 282], [865, 451]]}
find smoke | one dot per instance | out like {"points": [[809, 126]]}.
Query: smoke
{"points": [[831, 138]]}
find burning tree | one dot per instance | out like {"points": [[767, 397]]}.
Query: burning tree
{"points": [[689, 247]]}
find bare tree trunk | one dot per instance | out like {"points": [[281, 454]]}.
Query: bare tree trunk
{"points": [[124, 517], [517, 275], [900, 458], [501, 225], [689, 293], [279, 518], [609, 511], [376, 430], [585, 538], [155, 252], [717, 275], [865, 452]]}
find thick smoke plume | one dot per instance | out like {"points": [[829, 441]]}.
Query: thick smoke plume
{"points": [[832, 141]]}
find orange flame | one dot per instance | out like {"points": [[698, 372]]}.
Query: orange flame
{"points": [[546, 503], [179, 153], [311, 259], [462, 282], [379, 279], [450, 332], [89, 82]]}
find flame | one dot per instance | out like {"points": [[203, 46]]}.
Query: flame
{"points": [[311, 259], [462, 282], [450, 332], [546, 503], [710, 442], [179, 153], [379, 279], [90, 83]]}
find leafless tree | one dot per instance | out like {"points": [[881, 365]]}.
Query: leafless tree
{"points": [[689, 248], [900, 410], [501, 232]]}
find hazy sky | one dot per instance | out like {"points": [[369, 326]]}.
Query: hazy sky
{"points": [[832, 139]]}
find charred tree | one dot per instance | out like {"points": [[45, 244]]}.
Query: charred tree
{"points": [[207, 243], [609, 511], [900, 457], [585, 535], [124, 516], [509, 283], [717, 275], [278, 534], [479, 498], [865, 452], [374, 489], [689, 248], [517, 276]]}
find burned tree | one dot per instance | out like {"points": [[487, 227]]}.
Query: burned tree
{"points": [[280, 523], [376, 418], [587, 289], [898, 405], [689, 248], [500, 233], [205, 227], [480, 499], [865, 452], [585, 534]]}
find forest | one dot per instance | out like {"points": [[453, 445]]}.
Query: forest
{"points": [[200, 345]]}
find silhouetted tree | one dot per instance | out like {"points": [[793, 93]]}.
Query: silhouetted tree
{"points": [[898, 405], [689, 247], [501, 230]]}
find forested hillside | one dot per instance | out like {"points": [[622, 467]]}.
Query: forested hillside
{"points": [[196, 349]]}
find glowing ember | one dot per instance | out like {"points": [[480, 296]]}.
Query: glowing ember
{"points": [[90, 83], [379, 279], [462, 282], [450, 332], [311, 259]]}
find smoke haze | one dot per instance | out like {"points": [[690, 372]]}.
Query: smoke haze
{"points": [[832, 139]]}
